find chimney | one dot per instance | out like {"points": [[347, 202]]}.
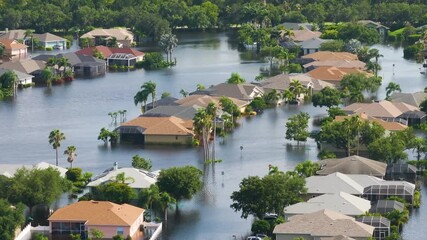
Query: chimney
{"points": [[116, 166]]}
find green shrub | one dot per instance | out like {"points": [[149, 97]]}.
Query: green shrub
{"points": [[139, 64], [49, 49], [413, 52], [417, 199], [154, 61], [260, 226]]}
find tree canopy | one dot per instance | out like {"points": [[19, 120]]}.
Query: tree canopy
{"points": [[11, 217], [297, 127], [180, 182]]}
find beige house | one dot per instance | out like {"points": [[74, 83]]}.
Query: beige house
{"points": [[110, 218], [352, 165], [13, 50], [157, 130], [334, 75], [322, 224], [123, 36], [388, 126], [204, 100]]}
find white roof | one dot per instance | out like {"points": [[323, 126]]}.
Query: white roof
{"points": [[9, 170], [333, 183], [143, 179], [342, 202]]}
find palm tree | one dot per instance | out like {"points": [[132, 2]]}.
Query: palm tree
{"points": [[211, 111], [71, 152], [29, 33], [392, 87], [55, 138], [296, 88], [164, 200], [141, 97], [201, 123], [375, 53], [168, 42], [121, 178], [63, 63], [287, 95], [150, 87], [183, 93], [47, 76], [200, 87], [272, 98], [374, 67]]}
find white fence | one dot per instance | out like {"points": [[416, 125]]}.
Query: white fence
{"points": [[25, 234]]}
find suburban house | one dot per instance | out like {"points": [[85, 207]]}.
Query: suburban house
{"points": [[243, 91], [82, 65], [204, 100], [359, 185], [141, 179], [333, 75], [28, 66], [99, 36], [322, 224], [13, 50], [15, 34], [382, 30], [9, 170], [388, 111], [381, 225], [311, 45], [388, 126], [342, 63], [109, 218], [48, 40], [23, 78], [157, 130], [385, 206], [296, 26], [115, 56], [414, 99], [341, 202], [352, 165], [401, 171]]}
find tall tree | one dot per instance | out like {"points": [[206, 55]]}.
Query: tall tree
{"points": [[168, 42], [296, 127], [150, 87], [12, 217], [297, 89], [55, 138], [141, 97], [180, 182], [327, 97], [392, 87], [235, 78], [29, 34], [71, 154]]}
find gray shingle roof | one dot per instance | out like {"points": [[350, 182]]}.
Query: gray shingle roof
{"points": [[414, 99], [182, 112], [353, 165], [48, 37], [19, 74]]}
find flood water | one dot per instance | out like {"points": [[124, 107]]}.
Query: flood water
{"points": [[80, 109]]}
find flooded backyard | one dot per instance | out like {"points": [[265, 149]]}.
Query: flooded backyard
{"points": [[80, 109]]}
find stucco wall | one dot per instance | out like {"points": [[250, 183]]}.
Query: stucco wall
{"points": [[292, 237], [167, 139]]}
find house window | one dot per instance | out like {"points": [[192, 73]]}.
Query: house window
{"points": [[120, 231]]}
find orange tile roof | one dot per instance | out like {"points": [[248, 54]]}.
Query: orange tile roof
{"points": [[389, 126], [98, 213], [304, 34], [328, 55], [12, 44], [333, 73], [162, 125], [381, 109]]}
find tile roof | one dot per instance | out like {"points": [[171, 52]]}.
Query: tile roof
{"points": [[142, 179], [12, 44], [304, 35], [118, 33], [107, 51], [414, 99], [204, 100], [341, 202], [327, 55], [352, 165], [161, 125], [244, 91], [99, 213], [324, 223], [26, 66], [328, 73], [381, 109], [341, 63], [282, 81], [48, 37]]}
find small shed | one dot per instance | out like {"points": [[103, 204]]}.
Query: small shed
{"points": [[414, 117], [381, 225], [385, 206], [122, 59], [401, 171], [382, 192]]}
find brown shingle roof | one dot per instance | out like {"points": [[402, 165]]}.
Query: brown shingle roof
{"points": [[341, 63], [12, 44], [162, 125], [98, 213], [389, 126], [381, 109], [304, 34], [107, 51], [327, 55], [26, 66], [204, 100], [48, 37], [333, 73], [324, 223], [352, 165]]}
